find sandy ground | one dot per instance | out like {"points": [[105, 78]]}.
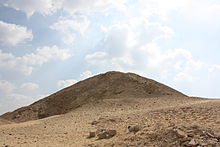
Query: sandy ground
{"points": [[3, 122], [156, 114]]}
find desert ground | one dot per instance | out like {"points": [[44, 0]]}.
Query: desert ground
{"points": [[162, 121]]}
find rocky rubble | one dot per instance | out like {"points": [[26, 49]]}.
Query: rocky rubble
{"points": [[196, 136], [102, 133], [176, 136], [193, 136], [134, 129]]}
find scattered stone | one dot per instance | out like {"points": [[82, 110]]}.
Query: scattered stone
{"points": [[181, 133], [106, 134], [94, 122], [91, 135], [112, 120], [111, 133], [203, 144], [178, 136], [134, 129], [192, 142], [195, 137], [210, 135], [102, 135], [100, 131], [212, 141]]}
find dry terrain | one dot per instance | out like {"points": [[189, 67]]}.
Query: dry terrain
{"points": [[155, 114]]}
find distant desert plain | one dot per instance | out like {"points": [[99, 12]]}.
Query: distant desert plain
{"points": [[114, 109]]}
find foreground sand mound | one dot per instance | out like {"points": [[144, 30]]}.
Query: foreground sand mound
{"points": [[109, 85], [162, 122]]}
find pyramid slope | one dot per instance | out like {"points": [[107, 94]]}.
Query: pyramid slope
{"points": [[103, 86]]}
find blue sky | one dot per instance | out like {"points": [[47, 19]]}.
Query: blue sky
{"points": [[46, 45]]}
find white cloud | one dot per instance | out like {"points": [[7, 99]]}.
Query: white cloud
{"points": [[183, 77], [201, 10], [158, 8], [43, 54], [89, 7], [13, 34], [196, 9], [27, 62], [48, 7], [85, 75], [29, 86], [11, 100], [116, 42], [19, 97], [175, 59], [65, 83], [168, 64], [44, 7], [139, 31], [214, 68], [146, 31], [6, 86], [14, 101], [97, 58], [69, 27], [122, 42], [132, 47]]}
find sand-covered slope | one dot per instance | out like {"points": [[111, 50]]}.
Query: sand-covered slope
{"points": [[114, 85], [196, 120]]}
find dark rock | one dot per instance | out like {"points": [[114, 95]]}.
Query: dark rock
{"points": [[94, 122], [102, 135], [111, 133], [134, 129]]}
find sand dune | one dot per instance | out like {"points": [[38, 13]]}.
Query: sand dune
{"points": [[166, 117]]}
